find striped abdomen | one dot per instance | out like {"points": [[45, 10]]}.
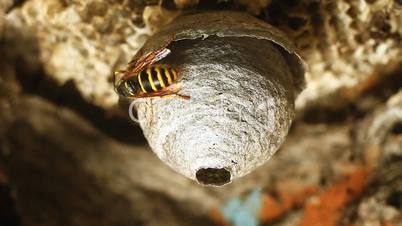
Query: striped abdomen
{"points": [[156, 77], [152, 79]]}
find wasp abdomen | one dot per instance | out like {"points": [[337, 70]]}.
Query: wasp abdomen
{"points": [[156, 77], [150, 80]]}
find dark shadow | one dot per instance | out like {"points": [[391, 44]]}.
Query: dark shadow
{"points": [[8, 215]]}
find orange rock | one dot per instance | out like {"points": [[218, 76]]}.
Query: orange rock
{"points": [[273, 209], [326, 210], [217, 217]]}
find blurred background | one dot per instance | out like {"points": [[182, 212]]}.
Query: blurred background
{"points": [[69, 156]]}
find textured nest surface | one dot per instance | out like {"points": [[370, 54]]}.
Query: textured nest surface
{"points": [[241, 76]]}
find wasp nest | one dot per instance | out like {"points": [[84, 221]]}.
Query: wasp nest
{"points": [[242, 77]]}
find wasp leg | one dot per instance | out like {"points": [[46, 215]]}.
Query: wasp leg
{"points": [[175, 95], [184, 97], [174, 89]]}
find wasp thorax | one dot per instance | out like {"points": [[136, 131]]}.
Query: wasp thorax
{"points": [[242, 76]]}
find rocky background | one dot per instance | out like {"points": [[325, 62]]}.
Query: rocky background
{"points": [[69, 156]]}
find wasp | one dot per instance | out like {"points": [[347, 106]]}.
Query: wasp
{"points": [[142, 78]]}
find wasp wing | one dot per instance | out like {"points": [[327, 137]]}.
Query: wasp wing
{"points": [[162, 54], [146, 61], [149, 59]]}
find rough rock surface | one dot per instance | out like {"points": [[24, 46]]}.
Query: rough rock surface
{"points": [[65, 159], [343, 43], [104, 179], [81, 41]]}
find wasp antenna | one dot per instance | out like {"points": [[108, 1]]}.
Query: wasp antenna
{"points": [[119, 72]]}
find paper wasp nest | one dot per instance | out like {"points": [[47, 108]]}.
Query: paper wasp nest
{"points": [[242, 76]]}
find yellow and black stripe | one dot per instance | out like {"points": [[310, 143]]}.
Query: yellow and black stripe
{"points": [[156, 77]]}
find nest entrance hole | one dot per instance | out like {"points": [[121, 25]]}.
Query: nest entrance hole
{"points": [[213, 176]]}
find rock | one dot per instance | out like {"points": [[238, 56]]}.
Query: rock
{"points": [[65, 172], [343, 43], [69, 169]]}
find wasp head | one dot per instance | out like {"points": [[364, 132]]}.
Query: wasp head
{"points": [[122, 86]]}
